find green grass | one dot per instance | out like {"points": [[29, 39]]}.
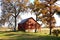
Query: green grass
{"points": [[26, 36]]}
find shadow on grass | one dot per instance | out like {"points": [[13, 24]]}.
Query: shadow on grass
{"points": [[32, 37], [2, 32], [28, 36]]}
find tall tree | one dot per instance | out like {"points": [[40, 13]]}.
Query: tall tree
{"points": [[13, 8], [45, 11]]}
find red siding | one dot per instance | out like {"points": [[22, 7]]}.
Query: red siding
{"points": [[29, 24]]}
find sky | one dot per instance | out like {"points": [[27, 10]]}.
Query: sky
{"points": [[0, 10], [29, 15], [57, 20], [31, 1]]}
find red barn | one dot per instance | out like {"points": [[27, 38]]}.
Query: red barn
{"points": [[29, 25]]}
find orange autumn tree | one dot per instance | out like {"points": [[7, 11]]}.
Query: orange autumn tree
{"points": [[46, 9]]}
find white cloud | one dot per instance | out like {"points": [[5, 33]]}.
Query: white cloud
{"points": [[0, 8], [57, 20], [57, 3], [28, 15]]}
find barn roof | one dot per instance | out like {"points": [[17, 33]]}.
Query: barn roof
{"points": [[24, 20]]}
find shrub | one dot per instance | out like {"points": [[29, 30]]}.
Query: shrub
{"points": [[56, 32]]}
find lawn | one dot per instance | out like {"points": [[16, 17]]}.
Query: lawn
{"points": [[26, 36]]}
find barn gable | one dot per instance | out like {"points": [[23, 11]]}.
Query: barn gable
{"points": [[29, 23]]}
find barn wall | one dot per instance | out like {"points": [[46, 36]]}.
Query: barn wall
{"points": [[30, 25]]}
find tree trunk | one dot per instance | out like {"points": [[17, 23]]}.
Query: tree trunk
{"points": [[50, 23], [50, 30], [35, 25], [50, 19], [35, 28], [15, 24]]}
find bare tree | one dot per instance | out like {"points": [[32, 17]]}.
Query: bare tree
{"points": [[13, 8]]}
